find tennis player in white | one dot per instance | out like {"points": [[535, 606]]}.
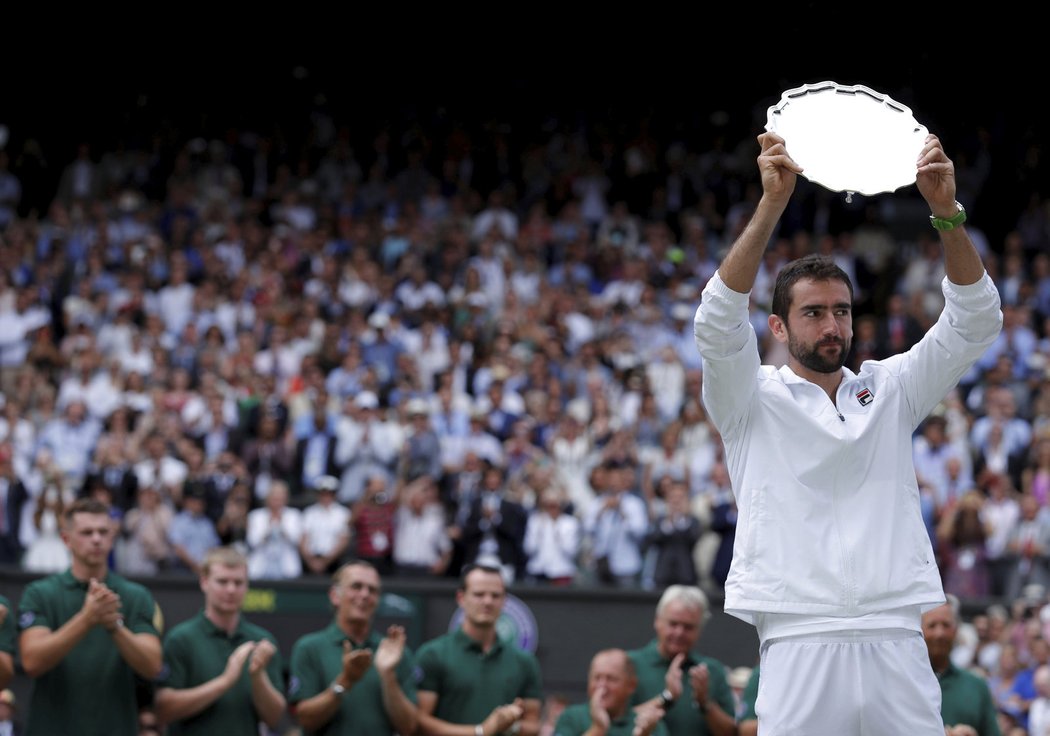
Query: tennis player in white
{"points": [[832, 562]]}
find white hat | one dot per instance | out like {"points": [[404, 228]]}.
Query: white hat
{"points": [[681, 312], [379, 320], [366, 400], [416, 406]]}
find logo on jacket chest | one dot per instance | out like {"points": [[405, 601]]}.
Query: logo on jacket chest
{"points": [[865, 396]]}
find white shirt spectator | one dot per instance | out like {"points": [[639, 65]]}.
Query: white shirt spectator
{"points": [[616, 524], [552, 540], [365, 446], [325, 526], [420, 536], [273, 538]]}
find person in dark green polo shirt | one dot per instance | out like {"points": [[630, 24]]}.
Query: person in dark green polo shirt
{"points": [[966, 699], [470, 676], [7, 643], [346, 679], [85, 634], [611, 680], [694, 689], [222, 674]]}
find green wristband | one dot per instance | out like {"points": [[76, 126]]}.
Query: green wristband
{"points": [[949, 223]]}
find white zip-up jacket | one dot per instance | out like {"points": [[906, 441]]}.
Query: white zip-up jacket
{"points": [[829, 521]]}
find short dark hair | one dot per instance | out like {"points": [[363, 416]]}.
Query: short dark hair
{"points": [[467, 569], [86, 505], [815, 267], [337, 576]]}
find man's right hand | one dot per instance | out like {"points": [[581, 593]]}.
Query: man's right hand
{"points": [[235, 662], [599, 716], [355, 662], [673, 678], [779, 171], [101, 605]]}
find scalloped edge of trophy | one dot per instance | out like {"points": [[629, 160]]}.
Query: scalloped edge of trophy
{"points": [[794, 93]]}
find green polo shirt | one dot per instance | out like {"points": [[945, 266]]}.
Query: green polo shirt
{"points": [[683, 718], [196, 651], [7, 628], [317, 659], [576, 719], [965, 698], [91, 692], [469, 682]]}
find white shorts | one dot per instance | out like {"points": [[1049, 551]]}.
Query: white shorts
{"points": [[853, 683]]}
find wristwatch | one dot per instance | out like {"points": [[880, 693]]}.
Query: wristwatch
{"points": [[337, 689], [949, 223], [666, 699]]}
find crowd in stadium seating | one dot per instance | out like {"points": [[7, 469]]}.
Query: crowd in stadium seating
{"points": [[471, 344]]}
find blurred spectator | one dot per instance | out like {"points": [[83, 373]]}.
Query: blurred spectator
{"points": [[614, 525], [672, 537], [71, 439], [1029, 549], [159, 466], [192, 533], [10, 724], [1001, 438], [1005, 685], [47, 553], [365, 445], [570, 450], [962, 538], [1001, 513], [326, 529], [111, 468], [494, 530], [13, 497], [373, 524], [552, 540], [274, 531], [422, 450], [145, 549], [1039, 712], [421, 543], [232, 524], [935, 456], [315, 440], [667, 460], [1035, 476], [268, 454], [723, 519]]}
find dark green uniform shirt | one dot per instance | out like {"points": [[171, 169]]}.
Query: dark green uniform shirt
{"points": [[317, 659], [196, 651], [469, 682], [91, 692], [576, 719], [7, 628], [965, 698], [683, 718]]}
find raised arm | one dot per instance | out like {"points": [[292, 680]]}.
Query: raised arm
{"points": [[935, 179], [779, 172]]}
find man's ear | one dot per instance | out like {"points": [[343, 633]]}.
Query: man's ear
{"points": [[778, 328]]}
